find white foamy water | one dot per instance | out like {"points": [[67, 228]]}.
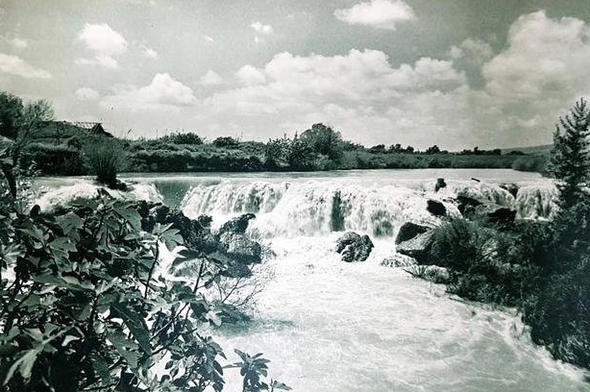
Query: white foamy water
{"points": [[327, 325]]}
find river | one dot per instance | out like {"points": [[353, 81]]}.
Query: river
{"points": [[327, 325]]}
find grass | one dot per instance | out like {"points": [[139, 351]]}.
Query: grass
{"points": [[106, 159]]}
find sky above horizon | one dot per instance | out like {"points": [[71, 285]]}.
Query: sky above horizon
{"points": [[456, 73]]}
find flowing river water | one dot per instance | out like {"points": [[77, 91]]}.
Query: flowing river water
{"points": [[327, 325]]}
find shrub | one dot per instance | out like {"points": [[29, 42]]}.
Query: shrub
{"points": [[225, 142], [89, 307], [106, 159], [52, 159], [479, 259], [182, 138], [531, 163]]}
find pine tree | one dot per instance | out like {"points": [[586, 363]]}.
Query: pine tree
{"points": [[570, 158]]}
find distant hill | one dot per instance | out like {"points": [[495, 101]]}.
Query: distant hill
{"points": [[543, 149]]}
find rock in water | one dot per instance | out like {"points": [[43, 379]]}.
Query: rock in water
{"points": [[511, 188], [432, 273], [354, 247], [436, 208], [466, 204], [237, 225], [418, 247], [240, 247], [398, 260], [408, 231], [440, 183]]}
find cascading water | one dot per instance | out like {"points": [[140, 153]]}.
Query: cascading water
{"points": [[331, 326], [327, 325]]}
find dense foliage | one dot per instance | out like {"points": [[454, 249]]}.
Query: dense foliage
{"points": [[87, 304]]}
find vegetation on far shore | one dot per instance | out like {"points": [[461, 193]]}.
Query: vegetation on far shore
{"points": [[59, 148]]}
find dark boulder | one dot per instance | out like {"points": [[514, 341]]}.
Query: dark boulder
{"points": [[511, 188], [408, 231], [440, 183], [466, 204], [239, 247], [436, 208], [496, 214], [354, 247], [237, 225], [417, 247]]}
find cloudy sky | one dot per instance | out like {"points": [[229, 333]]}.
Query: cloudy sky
{"points": [[457, 73]]}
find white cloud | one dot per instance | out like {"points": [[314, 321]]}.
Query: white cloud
{"points": [[14, 65], [249, 75], [540, 73], [105, 44], [261, 28], [211, 78], [382, 14], [104, 61], [87, 94], [359, 92], [16, 42], [474, 51], [149, 53], [208, 38], [164, 92]]}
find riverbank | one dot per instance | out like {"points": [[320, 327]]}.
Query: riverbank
{"points": [[317, 149]]}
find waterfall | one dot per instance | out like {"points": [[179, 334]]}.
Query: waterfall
{"points": [[316, 207]]}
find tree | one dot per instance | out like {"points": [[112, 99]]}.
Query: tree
{"points": [[276, 152], [301, 155], [11, 110], [324, 140], [570, 163], [433, 150], [34, 114]]}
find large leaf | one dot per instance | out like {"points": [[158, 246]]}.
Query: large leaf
{"points": [[134, 322], [129, 214], [126, 348], [70, 223]]}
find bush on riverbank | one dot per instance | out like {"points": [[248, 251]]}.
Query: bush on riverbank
{"points": [[105, 160], [542, 268]]}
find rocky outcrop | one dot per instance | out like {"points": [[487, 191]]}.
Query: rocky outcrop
{"points": [[408, 231], [354, 247], [417, 247], [436, 208]]}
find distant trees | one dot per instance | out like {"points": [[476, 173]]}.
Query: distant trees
{"points": [[225, 142], [433, 150], [183, 138]]}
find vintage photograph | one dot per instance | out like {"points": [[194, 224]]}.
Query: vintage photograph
{"points": [[307, 196]]}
